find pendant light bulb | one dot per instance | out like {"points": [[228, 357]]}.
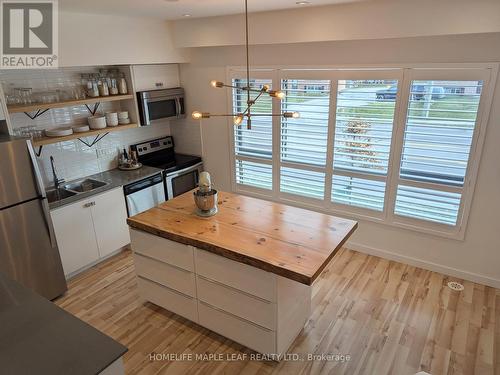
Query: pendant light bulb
{"points": [[197, 115], [217, 84], [238, 119], [277, 94], [291, 114]]}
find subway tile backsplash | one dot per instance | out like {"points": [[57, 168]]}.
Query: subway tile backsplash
{"points": [[73, 159]]}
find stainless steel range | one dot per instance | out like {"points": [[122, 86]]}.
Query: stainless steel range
{"points": [[181, 172]]}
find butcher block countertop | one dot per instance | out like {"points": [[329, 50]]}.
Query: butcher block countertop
{"points": [[288, 241]]}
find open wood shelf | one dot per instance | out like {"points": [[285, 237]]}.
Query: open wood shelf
{"points": [[66, 103], [49, 140]]}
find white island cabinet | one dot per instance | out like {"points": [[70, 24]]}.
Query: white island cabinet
{"points": [[90, 230], [245, 273], [258, 309]]}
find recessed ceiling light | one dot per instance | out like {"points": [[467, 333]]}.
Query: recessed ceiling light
{"points": [[186, 15], [303, 2]]}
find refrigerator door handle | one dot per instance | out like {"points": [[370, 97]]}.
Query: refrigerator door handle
{"points": [[36, 170], [48, 222], [43, 195]]}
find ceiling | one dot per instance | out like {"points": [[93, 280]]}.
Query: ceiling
{"points": [[176, 9]]}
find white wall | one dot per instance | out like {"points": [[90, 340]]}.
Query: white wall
{"points": [[90, 39], [359, 20], [478, 256]]}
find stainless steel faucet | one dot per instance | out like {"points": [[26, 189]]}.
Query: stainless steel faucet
{"points": [[57, 181]]}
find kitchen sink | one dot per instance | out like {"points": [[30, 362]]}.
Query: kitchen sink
{"points": [[84, 185], [55, 195]]}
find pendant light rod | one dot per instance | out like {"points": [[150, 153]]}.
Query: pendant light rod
{"points": [[249, 122], [265, 89]]}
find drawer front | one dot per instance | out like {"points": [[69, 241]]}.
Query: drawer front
{"points": [[237, 275], [236, 329], [167, 251], [173, 277], [254, 309], [168, 299]]}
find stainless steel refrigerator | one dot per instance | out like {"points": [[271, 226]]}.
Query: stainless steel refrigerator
{"points": [[28, 247]]}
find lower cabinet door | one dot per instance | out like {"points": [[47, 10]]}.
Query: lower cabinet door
{"points": [[75, 236], [169, 299], [243, 332], [110, 221]]}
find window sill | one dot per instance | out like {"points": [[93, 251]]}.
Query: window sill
{"points": [[434, 229]]}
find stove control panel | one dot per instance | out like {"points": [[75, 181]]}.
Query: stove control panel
{"points": [[153, 146]]}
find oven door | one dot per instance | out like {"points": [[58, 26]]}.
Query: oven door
{"points": [[179, 182]]}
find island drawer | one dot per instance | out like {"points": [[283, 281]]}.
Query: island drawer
{"points": [[159, 248], [170, 276], [254, 309], [244, 332], [240, 276], [168, 299]]}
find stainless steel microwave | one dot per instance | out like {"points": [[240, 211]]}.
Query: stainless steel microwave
{"points": [[161, 104]]}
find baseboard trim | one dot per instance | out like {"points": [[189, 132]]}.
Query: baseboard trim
{"points": [[450, 271]]}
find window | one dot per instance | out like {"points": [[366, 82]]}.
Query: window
{"points": [[363, 133], [439, 130], [253, 148], [304, 141], [399, 146]]}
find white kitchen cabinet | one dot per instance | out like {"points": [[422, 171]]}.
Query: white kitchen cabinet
{"points": [[253, 307], [154, 77], [90, 229], [75, 236], [109, 215]]}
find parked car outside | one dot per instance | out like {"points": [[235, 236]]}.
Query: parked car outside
{"points": [[418, 92], [387, 94]]}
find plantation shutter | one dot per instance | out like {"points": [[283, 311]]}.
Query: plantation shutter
{"points": [[253, 148], [363, 133], [439, 130], [303, 141]]}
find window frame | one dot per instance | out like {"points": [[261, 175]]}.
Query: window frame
{"points": [[404, 75]]}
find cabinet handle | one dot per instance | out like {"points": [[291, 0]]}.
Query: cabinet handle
{"points": [[89, 204]]}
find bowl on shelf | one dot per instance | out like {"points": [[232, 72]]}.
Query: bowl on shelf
{"points": [[97, 122], [80, 128], [124, 121], [122, 115], [58, 132], [112, 118]]}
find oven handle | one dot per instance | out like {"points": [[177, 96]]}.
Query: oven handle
{"points": [[145, 183], [178, 106]]}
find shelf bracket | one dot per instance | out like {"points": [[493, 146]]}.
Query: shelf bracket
{"points": [[37, 113], [39, 152], [96, 139], [94, 108]]}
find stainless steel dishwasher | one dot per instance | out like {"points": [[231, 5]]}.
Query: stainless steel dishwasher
{"points": [[144, 194]]}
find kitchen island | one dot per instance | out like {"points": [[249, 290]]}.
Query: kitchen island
{"points": [[244, 273]]}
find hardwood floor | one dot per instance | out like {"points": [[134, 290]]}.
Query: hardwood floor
{"points": [[390, 318]]}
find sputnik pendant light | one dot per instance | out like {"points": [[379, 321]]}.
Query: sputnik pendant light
{"points": [[265, 90]]}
